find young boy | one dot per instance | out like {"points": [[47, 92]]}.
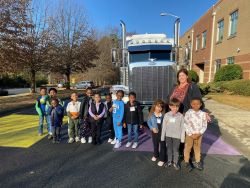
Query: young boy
{"points": [[195, 124], [132, 119], [52, 94], [108, 104], [73, 112], [41, 110], [84, 116], [173, 132], [118, 111], [56, 113], [96, 112]]}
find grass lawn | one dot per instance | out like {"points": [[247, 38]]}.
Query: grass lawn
{"points": [[238, 101]]}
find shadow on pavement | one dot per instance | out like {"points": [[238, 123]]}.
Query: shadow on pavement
{"points": [[240, 179]]}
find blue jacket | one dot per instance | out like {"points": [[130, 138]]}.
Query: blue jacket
{"points": [[152, 121], [57, 118], [118, 110]]}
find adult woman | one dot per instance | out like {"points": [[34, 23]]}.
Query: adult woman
{"points": [[184, 91]]}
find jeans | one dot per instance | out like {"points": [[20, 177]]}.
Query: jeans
{"points": [[133, 127], [41, 120], [173, 145], [56, 133], [118, 130]]}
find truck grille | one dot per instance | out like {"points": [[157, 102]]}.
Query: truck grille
{"points": [[151, 83]]}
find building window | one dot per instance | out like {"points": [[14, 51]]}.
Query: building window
{"points": [[217, 64], [230, 60], [197, 42], [204, 39], [233, 23], [220, 30]]}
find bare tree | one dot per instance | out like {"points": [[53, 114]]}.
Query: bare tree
{"points": [[74, 43]]}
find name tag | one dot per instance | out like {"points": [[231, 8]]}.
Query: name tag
{"points": [[158, 120], [172, 120], [132, 109]]}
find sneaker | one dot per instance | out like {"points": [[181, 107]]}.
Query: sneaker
{"points": [[50, 137], [110, 140], [176, 166], [168, 164], [58, 142], [90, 140], [77, 139], [160, 163], [188, 167], [54, 141], [113, 142], [83, 140], [153, 159], [117, 144], [135, 145], [71, 140], [198, 165], [128, 144]]}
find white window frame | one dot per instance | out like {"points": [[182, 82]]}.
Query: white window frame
{"points": [[197, 45], [230, 34], [204, 41], [220, 30], [230, 60]]}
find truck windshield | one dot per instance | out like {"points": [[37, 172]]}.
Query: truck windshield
{"points": [[146, 55]]}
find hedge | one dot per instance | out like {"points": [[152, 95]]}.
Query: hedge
{"points": [[236, 87], [228, 72], [193, 76]]}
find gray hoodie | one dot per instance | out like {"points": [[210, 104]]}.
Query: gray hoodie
{"points": [[173, 126]]}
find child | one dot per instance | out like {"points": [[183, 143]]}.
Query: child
{"points": [[96, 112], [155, 125], [195, 124], [173, 132], [73, 112], [41, 110], [108, 104], [132, 118], [84, 116], [56, 113], [52, 94], [118, 111]]}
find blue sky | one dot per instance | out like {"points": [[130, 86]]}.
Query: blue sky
{"points": [[144, 15], [141, 16]]}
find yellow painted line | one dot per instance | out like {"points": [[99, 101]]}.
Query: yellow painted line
{"points": [[19, 130]]}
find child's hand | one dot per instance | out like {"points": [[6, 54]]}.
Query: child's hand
{"points": [[208, 117], [155, 130], [119, 123], [111, 109], [141, 126], [124, 125]]}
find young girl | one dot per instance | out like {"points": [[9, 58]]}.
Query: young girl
{"points": [[109, 121], [155, 125], [96, 112], [118, 112]]}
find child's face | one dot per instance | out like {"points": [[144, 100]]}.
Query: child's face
{"points": [[97, 98], [196, 104], [158, 108], [89, 93], [108, 98], [131, 98], [174, 109], [54, 103], [52, 93], [74, 97], [43, 92], [119, 96]]}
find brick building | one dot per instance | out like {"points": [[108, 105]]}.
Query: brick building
{"points": [[219, 37]]}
